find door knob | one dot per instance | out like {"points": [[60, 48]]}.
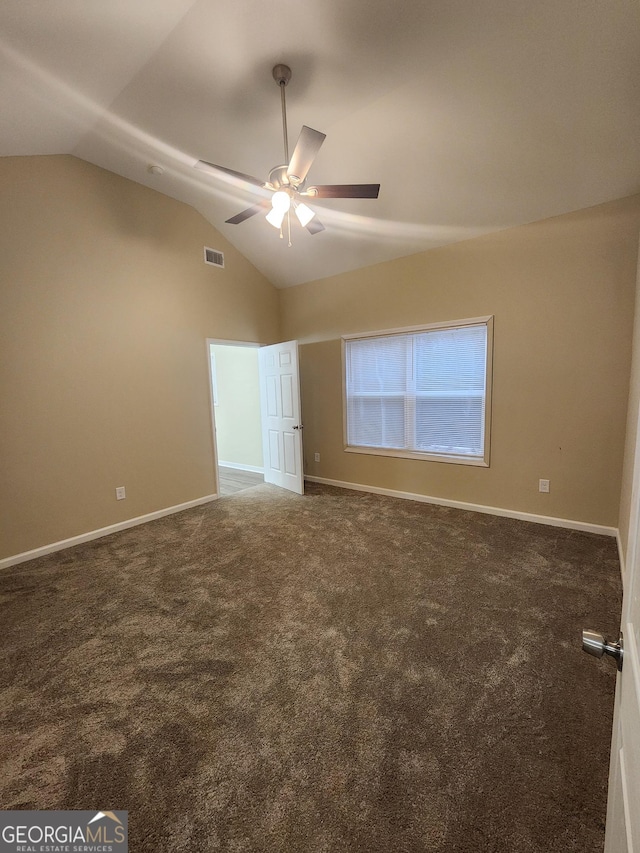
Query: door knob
{"points": [[299, 426], [597, 645]]}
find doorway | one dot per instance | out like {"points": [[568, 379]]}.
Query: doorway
{"points": [[236, 420]]}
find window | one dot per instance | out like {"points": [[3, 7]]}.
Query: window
{"points": [[423, 392]]}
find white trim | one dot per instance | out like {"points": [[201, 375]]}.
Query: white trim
{"points": [[213, 402], [213, 376], [240, 467], [424, 327], [585, 526], [620, 556], [103, 531], [626, 735], [478, 461], [626, 804], [632, 658], [224, 343], [482, 461], [212, 410], [161, 513]]}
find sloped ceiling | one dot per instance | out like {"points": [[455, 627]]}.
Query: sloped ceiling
{"points": [[473, 116]]}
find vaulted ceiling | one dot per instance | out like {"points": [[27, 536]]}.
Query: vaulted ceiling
{"points": [[473, 116]]}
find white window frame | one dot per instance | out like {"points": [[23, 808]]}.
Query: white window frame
{"points": [[477, 461]]}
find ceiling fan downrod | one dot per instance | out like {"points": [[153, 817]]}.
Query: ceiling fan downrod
{"points": [[282, 75]]}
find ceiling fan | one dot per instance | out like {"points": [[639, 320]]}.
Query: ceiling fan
{"points": [[288, 182]]}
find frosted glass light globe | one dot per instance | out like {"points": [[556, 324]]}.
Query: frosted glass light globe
{"points": [[275, 217], [281, 201], [304, 214]]}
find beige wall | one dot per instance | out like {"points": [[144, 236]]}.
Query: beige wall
{"points": [[237, 414], [105, 308], [562, 293]]}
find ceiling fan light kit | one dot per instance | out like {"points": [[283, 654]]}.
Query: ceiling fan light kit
{"points": [[304, 213], [288, 182], [275, 217], [280, 200]]}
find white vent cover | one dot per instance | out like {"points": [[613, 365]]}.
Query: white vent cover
{"points": [[213, 257]]}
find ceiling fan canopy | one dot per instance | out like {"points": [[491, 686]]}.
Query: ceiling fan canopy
{"points": [[288, 182]]}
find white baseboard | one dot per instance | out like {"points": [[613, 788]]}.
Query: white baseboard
{"points": [[103, 531], [489, 510], [143, 519], [240, 467]]}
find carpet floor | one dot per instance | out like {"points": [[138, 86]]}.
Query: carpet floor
{"points": [[328, 673]]}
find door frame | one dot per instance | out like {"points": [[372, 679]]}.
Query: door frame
{"points": [[214, 442], [619, 835], [622, 824]]}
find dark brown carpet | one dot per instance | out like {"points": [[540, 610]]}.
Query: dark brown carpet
{"points": [[334, 672]]}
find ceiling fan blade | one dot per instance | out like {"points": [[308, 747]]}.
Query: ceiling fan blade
{"points": [[343, 191], [212, 169], [304, 153], [250, 211], [314, 226]]}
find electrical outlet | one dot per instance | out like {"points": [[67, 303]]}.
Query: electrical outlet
{"points": [[543, 485], [120, 493], [316, 457]]}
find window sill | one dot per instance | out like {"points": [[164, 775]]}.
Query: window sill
{"points": [[474, 461]]}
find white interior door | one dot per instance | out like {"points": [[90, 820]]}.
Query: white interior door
{"points": [[281, 425], [623, 807]]}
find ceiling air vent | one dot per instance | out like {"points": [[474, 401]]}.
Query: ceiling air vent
{"points": [[213, 257]]}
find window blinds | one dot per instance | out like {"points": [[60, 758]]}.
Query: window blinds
{"points": [[423, 392]]}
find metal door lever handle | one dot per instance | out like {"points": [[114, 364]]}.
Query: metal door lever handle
{"points": [[597, 645], [298, 426]]}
